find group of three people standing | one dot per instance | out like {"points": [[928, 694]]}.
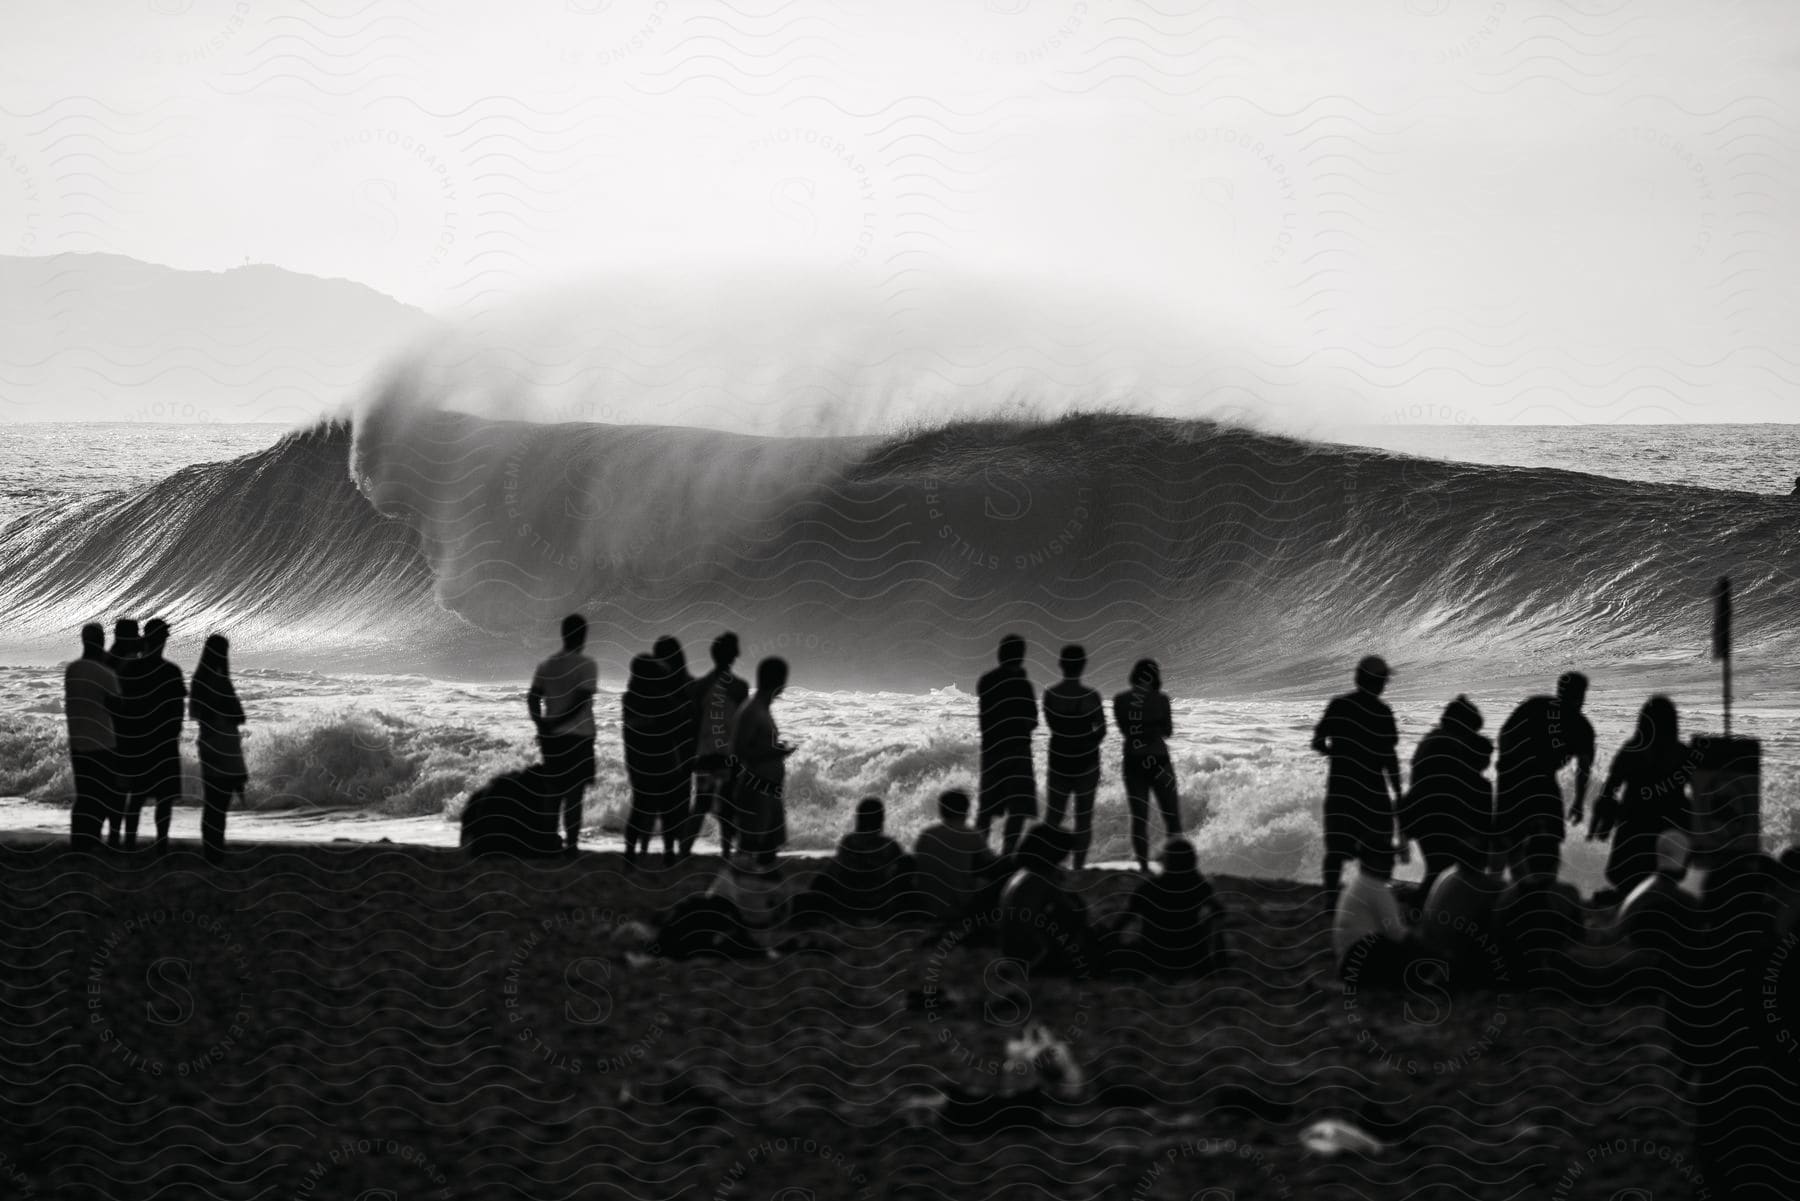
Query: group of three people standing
{"points": [[1008, 714], [125, 706]]}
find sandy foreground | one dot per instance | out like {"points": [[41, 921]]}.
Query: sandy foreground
{"points": [[318, 1020]]}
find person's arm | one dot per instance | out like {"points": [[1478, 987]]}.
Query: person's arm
{"points": [[1584, 769], [1322, 732], [1166, 716], [1606, 805], [534, 703]]}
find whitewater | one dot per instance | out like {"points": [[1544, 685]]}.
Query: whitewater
{"points": [[386, 606]]}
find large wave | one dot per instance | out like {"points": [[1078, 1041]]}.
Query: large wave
{"points": [[1237, 557]]}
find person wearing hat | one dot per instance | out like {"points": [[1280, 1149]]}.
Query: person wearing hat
{"points": [[1543, 734], [1362, 791]]}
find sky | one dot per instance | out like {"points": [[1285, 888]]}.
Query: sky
{"points": [[1473, 211]]}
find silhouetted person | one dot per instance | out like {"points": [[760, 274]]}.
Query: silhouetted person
{"points": [[1145, 726], [1008, 713], [1538, 918], [126, 645], [518, 812], [649, 765], [90, 693], [153, 701], [761, 760], [1171, 925], [867, 878], [717, 697], [1645, 793], [1357, 733], [1449, 807], [561, 703], [726, 919], [1542, 734], [1796, 491], [214, 706], [680, 727], [1077, 720], [1043, 923], [950, 860]]}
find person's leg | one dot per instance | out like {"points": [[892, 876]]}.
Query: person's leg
{"points": [[1056, 796], [1168, 799], [1137, 802], [165, 810], [84, 816], [1015, 828], [133, 808], [1084, 822], [1336, 851], [571, 817], [213, 799], [696, 819]]}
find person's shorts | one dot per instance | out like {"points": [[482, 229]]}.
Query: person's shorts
{"points": [[1008, 791], [1083, 780], [569, 758], [1361, 833]]}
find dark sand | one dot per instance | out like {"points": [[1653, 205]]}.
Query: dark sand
{"points": [[318, 1021]]}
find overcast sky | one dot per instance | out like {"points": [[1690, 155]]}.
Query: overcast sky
{"points": [[1472, 210]]}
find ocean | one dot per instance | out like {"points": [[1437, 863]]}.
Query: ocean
{"points": [[387, 591]]}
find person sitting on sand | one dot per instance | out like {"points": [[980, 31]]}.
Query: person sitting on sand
{"points": [[1007, 713], [1145, 725], [717, 695], [866, 879], [760, 758], [154, 694], [1645, 794], [727, 919], [1543, 734], [1043, 923], [1449, 807], [950, 860], [90, 692], [1357, 733], [1172, 924], [561, 703], [1077, 720], [214, 706]]}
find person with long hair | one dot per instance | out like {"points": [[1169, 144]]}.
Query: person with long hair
{"points": [[1644, 795], [1449, 807], [1145, 725], [214, 706], [646, 765]]}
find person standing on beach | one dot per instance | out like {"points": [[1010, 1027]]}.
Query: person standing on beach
{"points": [[561, 703], [1543, 734], [1008, 714], [153, 694], [1449, 807], [214, 706], [90, 691], [1077, 720], [760, 758], [646, 763], [1645, 795], [675, 726], [125, 646], [717, 697], [1357, 734], [1146, 725]]}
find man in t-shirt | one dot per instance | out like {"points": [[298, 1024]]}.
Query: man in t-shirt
{"points": [[950, 861], [760, 761], [1542, 735], [561, 701], [717, 696], [152, 709], [90, 690], [1363, 789], [1008, 714], [1077, 720]]}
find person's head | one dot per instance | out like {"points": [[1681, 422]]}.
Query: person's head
{"points": [[1461, 714], [1372, 674], [953, 808], [156, 636], [1073, 660], [1045, 846], [93, 639], [215, 655], [772, 675], [1146, 676], [1571, 689], [1658, 725], [574, 632], [1178, 858], [643, 668], [725, 650], [1012, 651], [871, 814], [125, 637], [669, 651]]}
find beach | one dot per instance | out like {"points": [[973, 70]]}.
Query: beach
{"points": [[319, 1019]]}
